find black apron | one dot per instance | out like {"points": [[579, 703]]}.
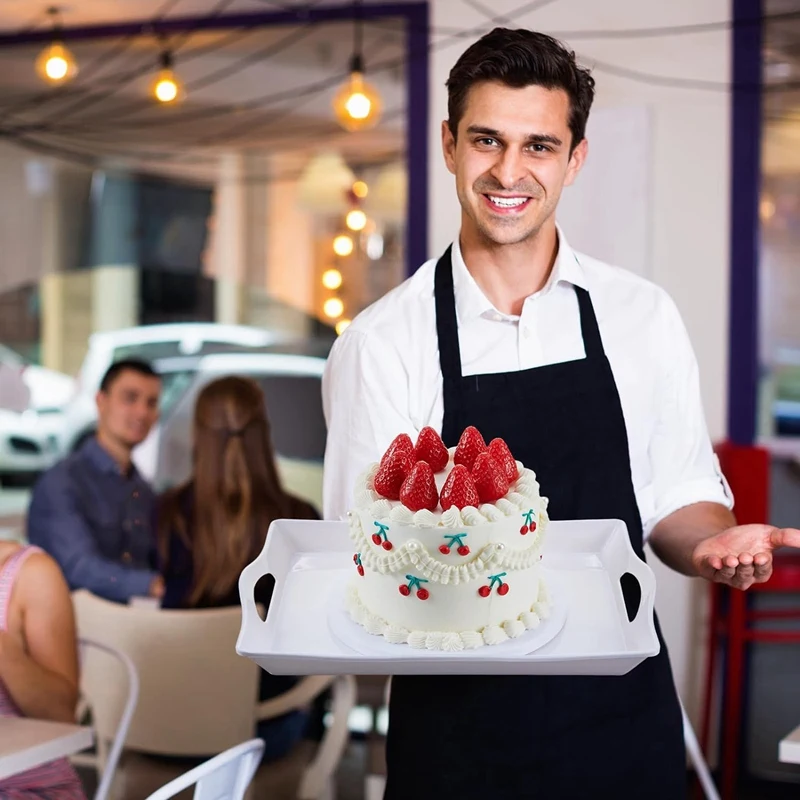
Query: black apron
{"points": [[548, 737]]}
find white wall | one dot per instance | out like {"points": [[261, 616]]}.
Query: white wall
{"points": [[683, 235]]}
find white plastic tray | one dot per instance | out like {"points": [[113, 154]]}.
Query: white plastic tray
{"points": [[584, 561]]}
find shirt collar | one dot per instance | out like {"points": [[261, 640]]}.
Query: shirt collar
{"points": [[102, 460], [471, 302]]}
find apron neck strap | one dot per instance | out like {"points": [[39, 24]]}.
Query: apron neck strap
{"points": [[447, 322]]}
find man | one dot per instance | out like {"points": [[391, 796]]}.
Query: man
{"points": [[93, 512], [588, 374]]}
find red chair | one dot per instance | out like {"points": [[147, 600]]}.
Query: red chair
{"points": [[730, 619]]}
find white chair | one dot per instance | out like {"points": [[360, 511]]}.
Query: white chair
{"points": [[197, 695], [110, 724], [224, 777]]}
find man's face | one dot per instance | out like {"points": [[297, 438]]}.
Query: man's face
{"points": [[511, 159], [129, 409]]}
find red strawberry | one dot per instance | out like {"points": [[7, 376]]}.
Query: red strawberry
{"points": [[430, 448], [391, 474], [470, 446], [401, 443], [419, 488], [459, 489], [499, 451], [490, 480]]}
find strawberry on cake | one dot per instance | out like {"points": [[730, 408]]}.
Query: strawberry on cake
{"points": [[448, 544]]}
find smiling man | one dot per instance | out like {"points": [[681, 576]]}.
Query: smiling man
{"points": [[93, 512], [587, 372]]}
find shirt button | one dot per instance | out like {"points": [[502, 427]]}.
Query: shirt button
{"points": [[135, 495], [127, 558]]}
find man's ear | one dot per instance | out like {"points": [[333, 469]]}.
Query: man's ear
{"points": [[449, 147], [576, 161]]}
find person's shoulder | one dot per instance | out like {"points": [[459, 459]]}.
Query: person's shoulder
{"points": [[57, 477], [622, 288], [40, 571]]}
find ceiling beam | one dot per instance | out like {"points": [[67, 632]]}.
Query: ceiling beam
{"points": [[256, 19]]}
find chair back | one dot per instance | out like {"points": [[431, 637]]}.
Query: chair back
{"points": [[110, 738], [197, 696], [225, 777]]}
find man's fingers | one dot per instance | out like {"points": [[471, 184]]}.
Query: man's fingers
{"points": [[785, 537]]}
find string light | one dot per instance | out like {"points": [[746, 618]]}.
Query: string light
{"points": [[333, 307], [357, 105], [56, 64], [343, 245], [166, 87], [360, 189], [331, 279], [342, 325], [356, 220]]}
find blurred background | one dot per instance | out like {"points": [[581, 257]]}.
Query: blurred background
{"points": [[208, 185]]}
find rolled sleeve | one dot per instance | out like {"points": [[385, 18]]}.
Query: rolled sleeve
{"points": [[365, 399], [56, 524], [684, 467]]}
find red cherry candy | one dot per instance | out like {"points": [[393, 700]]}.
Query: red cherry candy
{"points": [[355, 558], [533, 527], [484, 591], [502, 590], [376, 538], [444, 549], [523, 530], [387, 545], [423, 594], [361, 570], [463, 550], [405, 591]]}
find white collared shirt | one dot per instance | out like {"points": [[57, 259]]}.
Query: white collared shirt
{"points": [[383, 375]]}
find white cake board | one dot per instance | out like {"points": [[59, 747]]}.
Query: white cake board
{"points": [[354, 636], [583, 560]]}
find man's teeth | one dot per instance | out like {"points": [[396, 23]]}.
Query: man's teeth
{"points": [[507, 202]]}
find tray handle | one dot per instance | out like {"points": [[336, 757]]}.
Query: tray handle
{"points": [[641, 626], [252, 624]]}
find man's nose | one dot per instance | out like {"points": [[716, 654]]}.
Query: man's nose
{"points": [[509, 169]]}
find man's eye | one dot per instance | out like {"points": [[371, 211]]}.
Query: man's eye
{"points": [[488, 141], [539, 148]]}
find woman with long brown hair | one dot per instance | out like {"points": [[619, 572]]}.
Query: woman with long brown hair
{"points": [[212, 526]]}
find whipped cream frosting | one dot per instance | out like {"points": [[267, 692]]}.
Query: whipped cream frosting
{"points": [[448, 641], [522, 495]]}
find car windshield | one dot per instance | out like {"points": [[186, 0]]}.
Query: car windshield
{"points": [[151, 351]]}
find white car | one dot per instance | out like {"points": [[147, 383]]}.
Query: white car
{"points": [[151, 343], [31, 398], [292, 386]]}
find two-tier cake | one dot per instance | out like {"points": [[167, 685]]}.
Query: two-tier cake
{"points": [[448, 544]]}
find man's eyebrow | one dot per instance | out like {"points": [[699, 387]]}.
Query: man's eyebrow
{"points": [[534, 138]]}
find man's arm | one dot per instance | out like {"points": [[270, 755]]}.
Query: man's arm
{"points": [[41, 673], [365, 398], [56, 524]]}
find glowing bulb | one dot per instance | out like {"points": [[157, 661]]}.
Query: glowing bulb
{"points": [[333, 307], [166, 88], [766, 209], [342, 325], [356, 220], [360, 189], [357, 105], [343, 245], [331, 279], [56, 64]]}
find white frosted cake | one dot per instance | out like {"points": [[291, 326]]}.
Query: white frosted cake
{"points": [[448, 544]]}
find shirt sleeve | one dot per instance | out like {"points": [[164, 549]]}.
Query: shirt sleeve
{"points": [[56, 524], [684, 466], [365, 394]]}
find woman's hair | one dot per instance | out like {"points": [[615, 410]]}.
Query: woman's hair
{"points": [[520, 58], [236, 490]]}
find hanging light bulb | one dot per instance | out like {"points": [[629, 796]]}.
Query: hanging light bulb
{"points": [[360, 189], [331, 279], [333, 307], [357, 104], [55, 64], [343, 245], [342, 325], [166, 86], [356, 220]]}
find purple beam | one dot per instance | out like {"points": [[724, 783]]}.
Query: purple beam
{"points": [[744, 222], [256, 19], [417, 110]]}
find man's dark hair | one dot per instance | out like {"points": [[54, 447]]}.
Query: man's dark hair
{"points": [[136, 365], [520, 58]]}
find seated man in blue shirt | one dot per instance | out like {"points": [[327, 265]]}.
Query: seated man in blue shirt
{"points": [[93, 512]]}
